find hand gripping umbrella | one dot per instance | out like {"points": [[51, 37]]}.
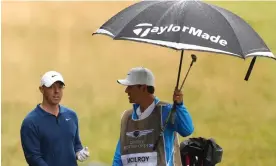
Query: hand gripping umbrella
{"points": [[187, 25]]}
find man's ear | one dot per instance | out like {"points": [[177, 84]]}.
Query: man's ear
{"points": [[41, 89]]}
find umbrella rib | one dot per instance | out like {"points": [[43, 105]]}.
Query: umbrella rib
{"points": [[169, 9], [184, 4], [242, 54], [165, 13]]}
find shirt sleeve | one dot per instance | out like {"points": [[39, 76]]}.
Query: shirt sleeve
{"points": [[31, 144], [117, 156], [78, 145], [183, 121]]}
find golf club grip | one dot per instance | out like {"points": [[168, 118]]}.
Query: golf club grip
{"points": [[165, 125], [156, 143]]}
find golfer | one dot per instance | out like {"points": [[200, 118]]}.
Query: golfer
{"points": [[50, 132]]}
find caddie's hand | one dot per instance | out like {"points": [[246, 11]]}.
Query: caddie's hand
{"points": [[83, 154], [178, 96]]}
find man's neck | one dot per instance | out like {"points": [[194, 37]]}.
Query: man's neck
{"points": [[52, 109], [146, 103]]}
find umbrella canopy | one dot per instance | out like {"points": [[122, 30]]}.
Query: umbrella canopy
{"points": [[186, 25]]}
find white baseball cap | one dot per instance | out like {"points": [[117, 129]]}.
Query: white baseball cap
{"points": [[51, 77], [138, 76]]}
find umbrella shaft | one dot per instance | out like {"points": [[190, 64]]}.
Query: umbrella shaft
{"points": [[179, 70]]}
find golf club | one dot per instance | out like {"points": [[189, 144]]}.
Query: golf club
{"points": [[172, 113], [193, 60]]}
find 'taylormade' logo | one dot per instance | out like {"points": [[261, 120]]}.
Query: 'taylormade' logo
{"points": [[143, 29]]}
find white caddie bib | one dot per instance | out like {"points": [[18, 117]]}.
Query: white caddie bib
{"points": [[140, 159]]}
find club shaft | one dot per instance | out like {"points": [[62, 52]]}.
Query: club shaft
{"points": [[186, 75]]}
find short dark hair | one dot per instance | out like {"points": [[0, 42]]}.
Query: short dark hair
{"points": [[150, 89]]}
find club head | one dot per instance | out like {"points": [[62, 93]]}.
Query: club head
{"points": [[194, 57]]}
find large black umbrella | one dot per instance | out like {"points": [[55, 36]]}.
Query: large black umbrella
{"points": [[187, 25]]}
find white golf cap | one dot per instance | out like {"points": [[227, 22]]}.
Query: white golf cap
{"points": [[138, 76], [51, 77]]}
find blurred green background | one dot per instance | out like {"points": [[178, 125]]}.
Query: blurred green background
{"points": [[42, 36]]}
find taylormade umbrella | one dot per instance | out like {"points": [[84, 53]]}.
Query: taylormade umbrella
{"points": [[187, 25]]}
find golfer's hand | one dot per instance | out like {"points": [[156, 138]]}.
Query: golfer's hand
{"points": [[178, 96], [83, 154]]}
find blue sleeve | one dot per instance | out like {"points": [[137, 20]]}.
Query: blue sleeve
{"points": [[31, 144], [183, 121], [117, 156], [78, 145]]}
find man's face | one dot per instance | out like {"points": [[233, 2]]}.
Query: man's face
{"points": [[53, 94], [135, 93]]}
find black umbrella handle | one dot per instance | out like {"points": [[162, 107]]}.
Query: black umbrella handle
{"points": [[250, 69], [171, 116]]}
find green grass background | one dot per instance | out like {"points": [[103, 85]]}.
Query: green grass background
{"points": [[42, 36]]}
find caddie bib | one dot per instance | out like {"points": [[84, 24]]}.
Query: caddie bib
{"points": [[138, 137]]}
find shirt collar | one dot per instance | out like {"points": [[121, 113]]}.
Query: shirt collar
{"points": [[44, 113], [135, 107], [147, 112]]}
